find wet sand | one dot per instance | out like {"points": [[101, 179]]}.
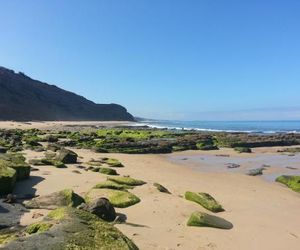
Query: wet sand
{"points": [[274, 163]]}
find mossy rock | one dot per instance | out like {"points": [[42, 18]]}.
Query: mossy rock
{"points": [[292, 181], [46, 161], [66, 156], [58, 214], [243, 150], [38, 228], [117, 198], [65, 197], [205, 200], [113, 163], [78, 229], [161, 188], [17, 162], [204, 146], [6, 236], [94, 163], [8, 177], [199, 219], [126, 181], [108, 171], [112, 185]]}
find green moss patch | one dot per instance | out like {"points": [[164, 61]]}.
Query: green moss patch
{"points": [[108, 171], [161, 188], [112, 185], [47, 161], [117, 198], [76, 229], [126, 181], [205, 200], [58, 214], [199, 219], [65, 197], [17, 162], [292, 181], [243, 150], [8, 177], [114, 163], [38, 228]]}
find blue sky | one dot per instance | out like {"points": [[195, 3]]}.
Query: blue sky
{"points": [[168, 59]]}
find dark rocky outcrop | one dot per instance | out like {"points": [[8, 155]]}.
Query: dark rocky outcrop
{"points": [[22, 98], [65, 197], [66, 156], [68, 228], [100, 207]]}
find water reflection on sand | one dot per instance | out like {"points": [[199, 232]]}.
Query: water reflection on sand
{"points": [[274, 164]]}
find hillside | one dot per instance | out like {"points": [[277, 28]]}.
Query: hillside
{"points": [[23, 99]]}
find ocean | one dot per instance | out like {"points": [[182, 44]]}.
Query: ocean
{"points": [[263, 127]]}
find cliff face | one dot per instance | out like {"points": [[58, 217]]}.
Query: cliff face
{"points": [[22, 98]]}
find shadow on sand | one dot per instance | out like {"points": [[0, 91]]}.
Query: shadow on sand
{"points": [[10, 214]]}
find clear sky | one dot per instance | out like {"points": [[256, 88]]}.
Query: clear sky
{"points": [[170, 59]]}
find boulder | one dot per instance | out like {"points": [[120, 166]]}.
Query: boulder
{"points": [[112, 185], [117, 198], [70, 229], [66, 156], [108, 171], [161, 188], [100, 207], [17, 162], [205, 200], [126, 181], [8, 177], [199, 219], [255, 172], [65, 197]]}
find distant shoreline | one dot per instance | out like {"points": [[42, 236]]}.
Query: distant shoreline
{"points": [[196, 126]]}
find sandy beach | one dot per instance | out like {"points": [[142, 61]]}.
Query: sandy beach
{"points": [[66, 125], [264, 214]]}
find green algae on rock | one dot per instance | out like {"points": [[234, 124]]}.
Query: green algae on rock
{"points": [[17, 162], [243, 150], [8, 177], [126, 181], [292, 181], [38, 228], [47, 161], [108, 171], [112, 185], [66, 156], [161, 188], [65, 197], [205, 200], [77, 229], [199, 219], [118, 198], [114, 163]]}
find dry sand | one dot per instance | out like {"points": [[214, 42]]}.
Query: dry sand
{"points": [[60, 125], [265, 215]]}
